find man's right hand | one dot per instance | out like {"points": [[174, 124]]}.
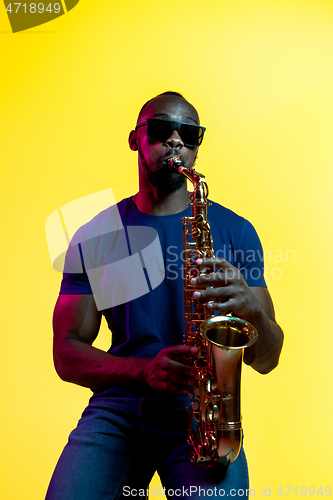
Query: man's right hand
{"points": [[171, 371]]}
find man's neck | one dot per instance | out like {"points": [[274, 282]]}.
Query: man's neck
{"points": [[150, 201]]}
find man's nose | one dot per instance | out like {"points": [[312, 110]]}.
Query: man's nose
{"points": [[174, 141]]}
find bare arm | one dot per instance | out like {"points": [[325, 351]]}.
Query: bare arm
{"points": [[76, 323], [264, 355]]}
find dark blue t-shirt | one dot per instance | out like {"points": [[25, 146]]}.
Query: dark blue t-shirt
{"points": [[132, 263]]}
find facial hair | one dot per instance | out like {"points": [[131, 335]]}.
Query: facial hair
{"points": [[164, 179]]}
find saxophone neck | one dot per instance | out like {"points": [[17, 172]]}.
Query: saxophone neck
{"points": [[197, 179]]}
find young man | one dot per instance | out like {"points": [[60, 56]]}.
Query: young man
{"points": [[135, 423]]}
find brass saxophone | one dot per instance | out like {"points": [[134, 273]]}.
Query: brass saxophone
{"points": [[220, 341]]}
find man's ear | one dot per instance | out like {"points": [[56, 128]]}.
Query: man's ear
{"points": [[132, 141]]}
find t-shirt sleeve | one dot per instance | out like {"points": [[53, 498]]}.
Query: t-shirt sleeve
{"points": [[90, 250], [75, 279], [249, 256]]}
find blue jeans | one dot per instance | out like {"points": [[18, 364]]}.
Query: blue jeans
{"points": [[123, 438]]}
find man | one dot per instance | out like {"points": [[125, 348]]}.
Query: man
{"points": [[136, 420]]}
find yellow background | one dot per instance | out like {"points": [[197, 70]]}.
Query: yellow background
{"points": [[261, 75]]}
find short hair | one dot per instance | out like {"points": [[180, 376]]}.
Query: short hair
{"points": [[168, 92]]}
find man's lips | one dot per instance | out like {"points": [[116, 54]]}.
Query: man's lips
{"points": [[170, 155]]}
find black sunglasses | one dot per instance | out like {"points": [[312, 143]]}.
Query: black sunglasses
{"points": [[160, 131]]}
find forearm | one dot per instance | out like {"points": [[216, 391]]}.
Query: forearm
{"points": [[264, 355], [85, 365]]}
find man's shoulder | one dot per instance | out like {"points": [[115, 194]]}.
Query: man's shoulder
{"points": [[224, 214], [106, 221], [230, 222]]}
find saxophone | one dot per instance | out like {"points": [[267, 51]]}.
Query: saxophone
{"points": [[216, 436]]}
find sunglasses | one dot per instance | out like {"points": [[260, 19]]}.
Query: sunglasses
{"points": [[160, 131]]}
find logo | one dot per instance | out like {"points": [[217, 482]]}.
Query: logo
{"points": [[122, 263], [23, 16]]}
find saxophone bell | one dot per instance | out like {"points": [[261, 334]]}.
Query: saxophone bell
{"points": [[226, 338]]}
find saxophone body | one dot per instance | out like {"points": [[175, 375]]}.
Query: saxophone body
{"points": [[215, 429]]}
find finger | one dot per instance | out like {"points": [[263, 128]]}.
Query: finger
{"points": [[214, 262], [218, 278], [178, 350], [180, 369], [211, 279], [175, 389], [181, 353], [172, 382], [164, 380], [222, 307], [217, 294], [179, 379]]}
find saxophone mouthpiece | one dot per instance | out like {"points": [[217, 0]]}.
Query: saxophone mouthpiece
{"points": [[175, 163]]}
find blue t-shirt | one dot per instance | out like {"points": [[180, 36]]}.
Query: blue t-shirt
{"points": [[133, 263]]}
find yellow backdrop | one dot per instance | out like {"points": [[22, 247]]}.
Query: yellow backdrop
{"points": [[261, 75]]}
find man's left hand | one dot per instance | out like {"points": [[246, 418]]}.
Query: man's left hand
{"points": [[224, 289]]}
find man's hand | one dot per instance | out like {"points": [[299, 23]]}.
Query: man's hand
{"points": [[224, 285], [170, 370], [225, 288]]}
